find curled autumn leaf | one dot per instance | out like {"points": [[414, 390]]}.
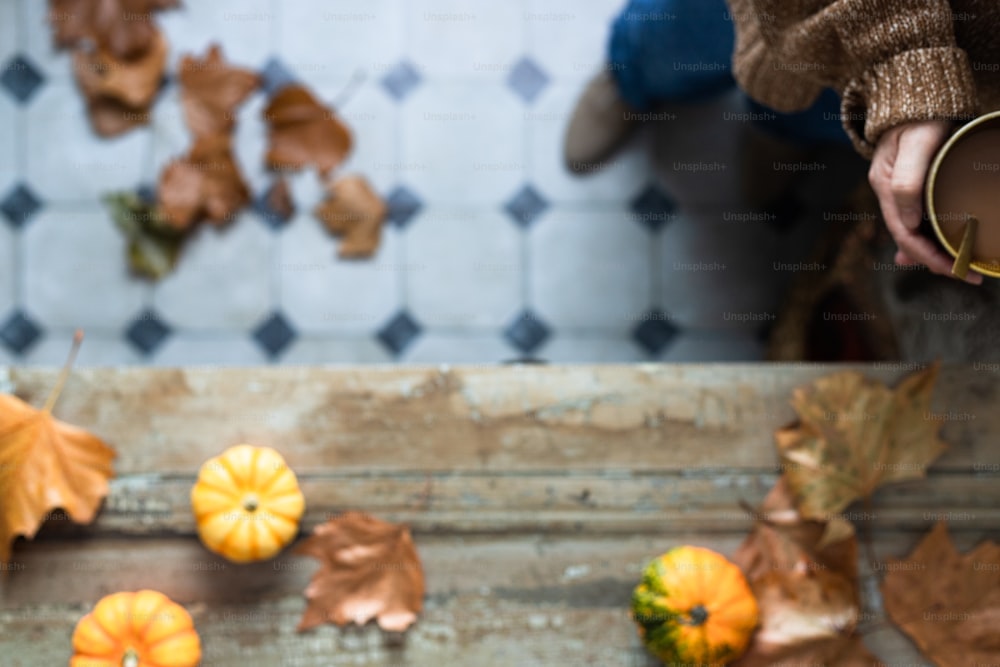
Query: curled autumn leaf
{"points": [[303, 132], [47, 464], [368, 569], [204, 184], [123, 28], [806, 587], [355, 212], [948, 603], [153, 245], [211, 90], [854, 435], [119, 93]]}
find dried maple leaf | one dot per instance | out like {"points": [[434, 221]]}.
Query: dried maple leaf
{"points": [[354, 211], [855, 435], [123, 28], [948, 603], [211, 89], [46, 464], [368, 569], [204, 184], [119, 93], [807, 590], [301, 131]]}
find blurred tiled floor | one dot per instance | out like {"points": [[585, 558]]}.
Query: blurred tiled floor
{"points": [[495, 251]]}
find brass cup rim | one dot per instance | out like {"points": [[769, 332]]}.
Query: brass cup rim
{"points": [[991, 269]]}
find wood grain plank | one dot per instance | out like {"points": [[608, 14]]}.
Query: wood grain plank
{"points": [[511, 418]]}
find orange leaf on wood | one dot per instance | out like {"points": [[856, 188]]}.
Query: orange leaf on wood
{"points": [[124, 28], [204, 184], [806, 587], [211, 90], [949, 604], [855, 435], [368, 569], [119, 93], [46, 464], [354, 211], [301, 131]]}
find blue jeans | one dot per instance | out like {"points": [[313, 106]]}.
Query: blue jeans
{"points": [[681, 51]]}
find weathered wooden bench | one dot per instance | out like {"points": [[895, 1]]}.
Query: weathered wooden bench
{"points": [[535, 495]]}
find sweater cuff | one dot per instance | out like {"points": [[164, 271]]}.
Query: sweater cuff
{"points": [[922, 84]]}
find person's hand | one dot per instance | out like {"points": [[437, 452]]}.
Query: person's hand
{"points": [[899, 168]]}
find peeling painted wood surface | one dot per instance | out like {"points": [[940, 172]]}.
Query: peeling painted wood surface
{"points": [[536, 494]]}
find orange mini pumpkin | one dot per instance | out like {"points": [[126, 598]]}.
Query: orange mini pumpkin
{"points": [[247, 503], [142, 629], [694, 607]]}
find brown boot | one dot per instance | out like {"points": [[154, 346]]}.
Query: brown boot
{"points": [[601, 124]]}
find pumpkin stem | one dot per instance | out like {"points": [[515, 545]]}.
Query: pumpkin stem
{"points": [[250, 503], [54, 396], [698, 615], [131, 658]]}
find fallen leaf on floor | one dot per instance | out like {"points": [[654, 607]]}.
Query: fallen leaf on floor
{"points": [[949, 604], [278, 201], [211, 90], [119, 93], [123, 28], [153, 245], [302, 132], [45, 465], [368, 569], [854, 435], [355, 212], [807, 590], [204, 184]]}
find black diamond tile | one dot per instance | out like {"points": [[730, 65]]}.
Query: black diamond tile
{"points": [[655, 332], [403, 205], [401, 80], [19, 333], [20, 78], [271, 217], [147, 332], [526, 206], [274, 76], [653, 208], [527, 332], [146, 193], [527, 80], [274, 335], [399, 333], [19, 205]]}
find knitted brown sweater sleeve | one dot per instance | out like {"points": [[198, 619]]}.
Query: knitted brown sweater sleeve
{"points": [[893, 61]]}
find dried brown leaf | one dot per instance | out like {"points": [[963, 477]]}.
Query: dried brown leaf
{"points": [[302, 132], [354, 211], [204, 184], [368, 569], [119, 93], [123, 28], [854, 435], [211, 90], [949, 604], [807, 590]]}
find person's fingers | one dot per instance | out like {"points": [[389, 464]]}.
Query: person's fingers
{"points": [[897, 180], [917, 144]]}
